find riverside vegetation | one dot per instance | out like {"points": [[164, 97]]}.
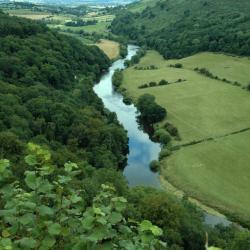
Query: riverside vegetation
{"points": [[60, 187], [210, 110]]}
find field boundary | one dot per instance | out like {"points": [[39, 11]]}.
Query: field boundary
{"points": [[176, 148]]}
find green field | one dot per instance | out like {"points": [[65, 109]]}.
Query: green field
{"points": [[217, 171], [200, 107], [233, 68]]}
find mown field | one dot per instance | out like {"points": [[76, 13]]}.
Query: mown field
{"points": [[217, 171], [110, 48], [29, 14], [200, 107]]}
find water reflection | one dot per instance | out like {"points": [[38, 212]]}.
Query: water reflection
{"points": [[142, 149]]}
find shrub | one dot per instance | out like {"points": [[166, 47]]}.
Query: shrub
{"points": [[155, 166], [150, 111], [164, 153], [171, 129], [143, 86], [163, 82], [152, 84], [163, 136], [127, 100]]}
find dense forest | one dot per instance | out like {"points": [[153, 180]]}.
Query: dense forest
{"points": [[46, 96], [50, 118], [184, 27]]}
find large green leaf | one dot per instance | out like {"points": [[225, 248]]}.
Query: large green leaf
{"points": [[115, 217], [54, 229], [45, 210], [47, 243], [27, 243], [31, 160], [27, 219], [31, 180]]}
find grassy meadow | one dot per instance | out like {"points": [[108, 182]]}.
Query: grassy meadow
{"points": [[199, 107], [29, 14], [217, 171], [110, 48]]}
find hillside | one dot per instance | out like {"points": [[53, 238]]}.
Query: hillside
{"points": [[46, 97], [184, 27]]}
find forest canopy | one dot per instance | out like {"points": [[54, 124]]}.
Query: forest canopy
{"points": [[180, 28], [46, 96]]}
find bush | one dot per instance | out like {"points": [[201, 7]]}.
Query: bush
{"points": [[143, 86], [173, 131], [155, 166], [127, 100], [150, 111], [163, 82], [152, 84], [117, 78], [164, 153], [162, 136], [248, 87]]}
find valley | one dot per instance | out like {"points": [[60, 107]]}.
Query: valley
{"points": [[124, 125]]}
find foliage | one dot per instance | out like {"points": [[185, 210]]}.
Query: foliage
{"points": [[47, 211], [117, 78], [179, 29], [46, 96], [150, 111]]}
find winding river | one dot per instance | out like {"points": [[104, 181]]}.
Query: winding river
{"points": [[142, 149]]}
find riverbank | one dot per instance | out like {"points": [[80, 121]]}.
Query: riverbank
{"points": [[201, 108]]}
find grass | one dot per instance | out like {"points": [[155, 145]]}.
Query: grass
{"points": [[100, 27], [215, 172], [200, 107], [233, 68], [29, 14], [110, 48]]}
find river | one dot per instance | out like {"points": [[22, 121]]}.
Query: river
{"points": [[141, 149]]}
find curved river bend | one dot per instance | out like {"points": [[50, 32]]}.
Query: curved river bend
{"points": [[141, 149]]}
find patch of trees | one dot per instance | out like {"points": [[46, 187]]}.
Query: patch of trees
{"points": [[177, 65], [80, 23], [160, 83], [150, 111], [151, 67], [188, 27], [207, 73], [117, 78]]}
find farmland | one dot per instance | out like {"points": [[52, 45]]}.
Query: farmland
{"points": [[110, 48], [203, 109]]}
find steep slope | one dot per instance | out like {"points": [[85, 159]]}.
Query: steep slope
{"points": [[46, 96], [184, 27]]}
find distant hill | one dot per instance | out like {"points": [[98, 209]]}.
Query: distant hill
{"points": [[178, 28], [73, 2]]}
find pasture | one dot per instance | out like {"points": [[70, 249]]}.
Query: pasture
{"points": [[198, 106], [215, 171], [110, 48]]}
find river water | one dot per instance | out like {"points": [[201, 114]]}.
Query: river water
{"points": [[141, 149]]}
